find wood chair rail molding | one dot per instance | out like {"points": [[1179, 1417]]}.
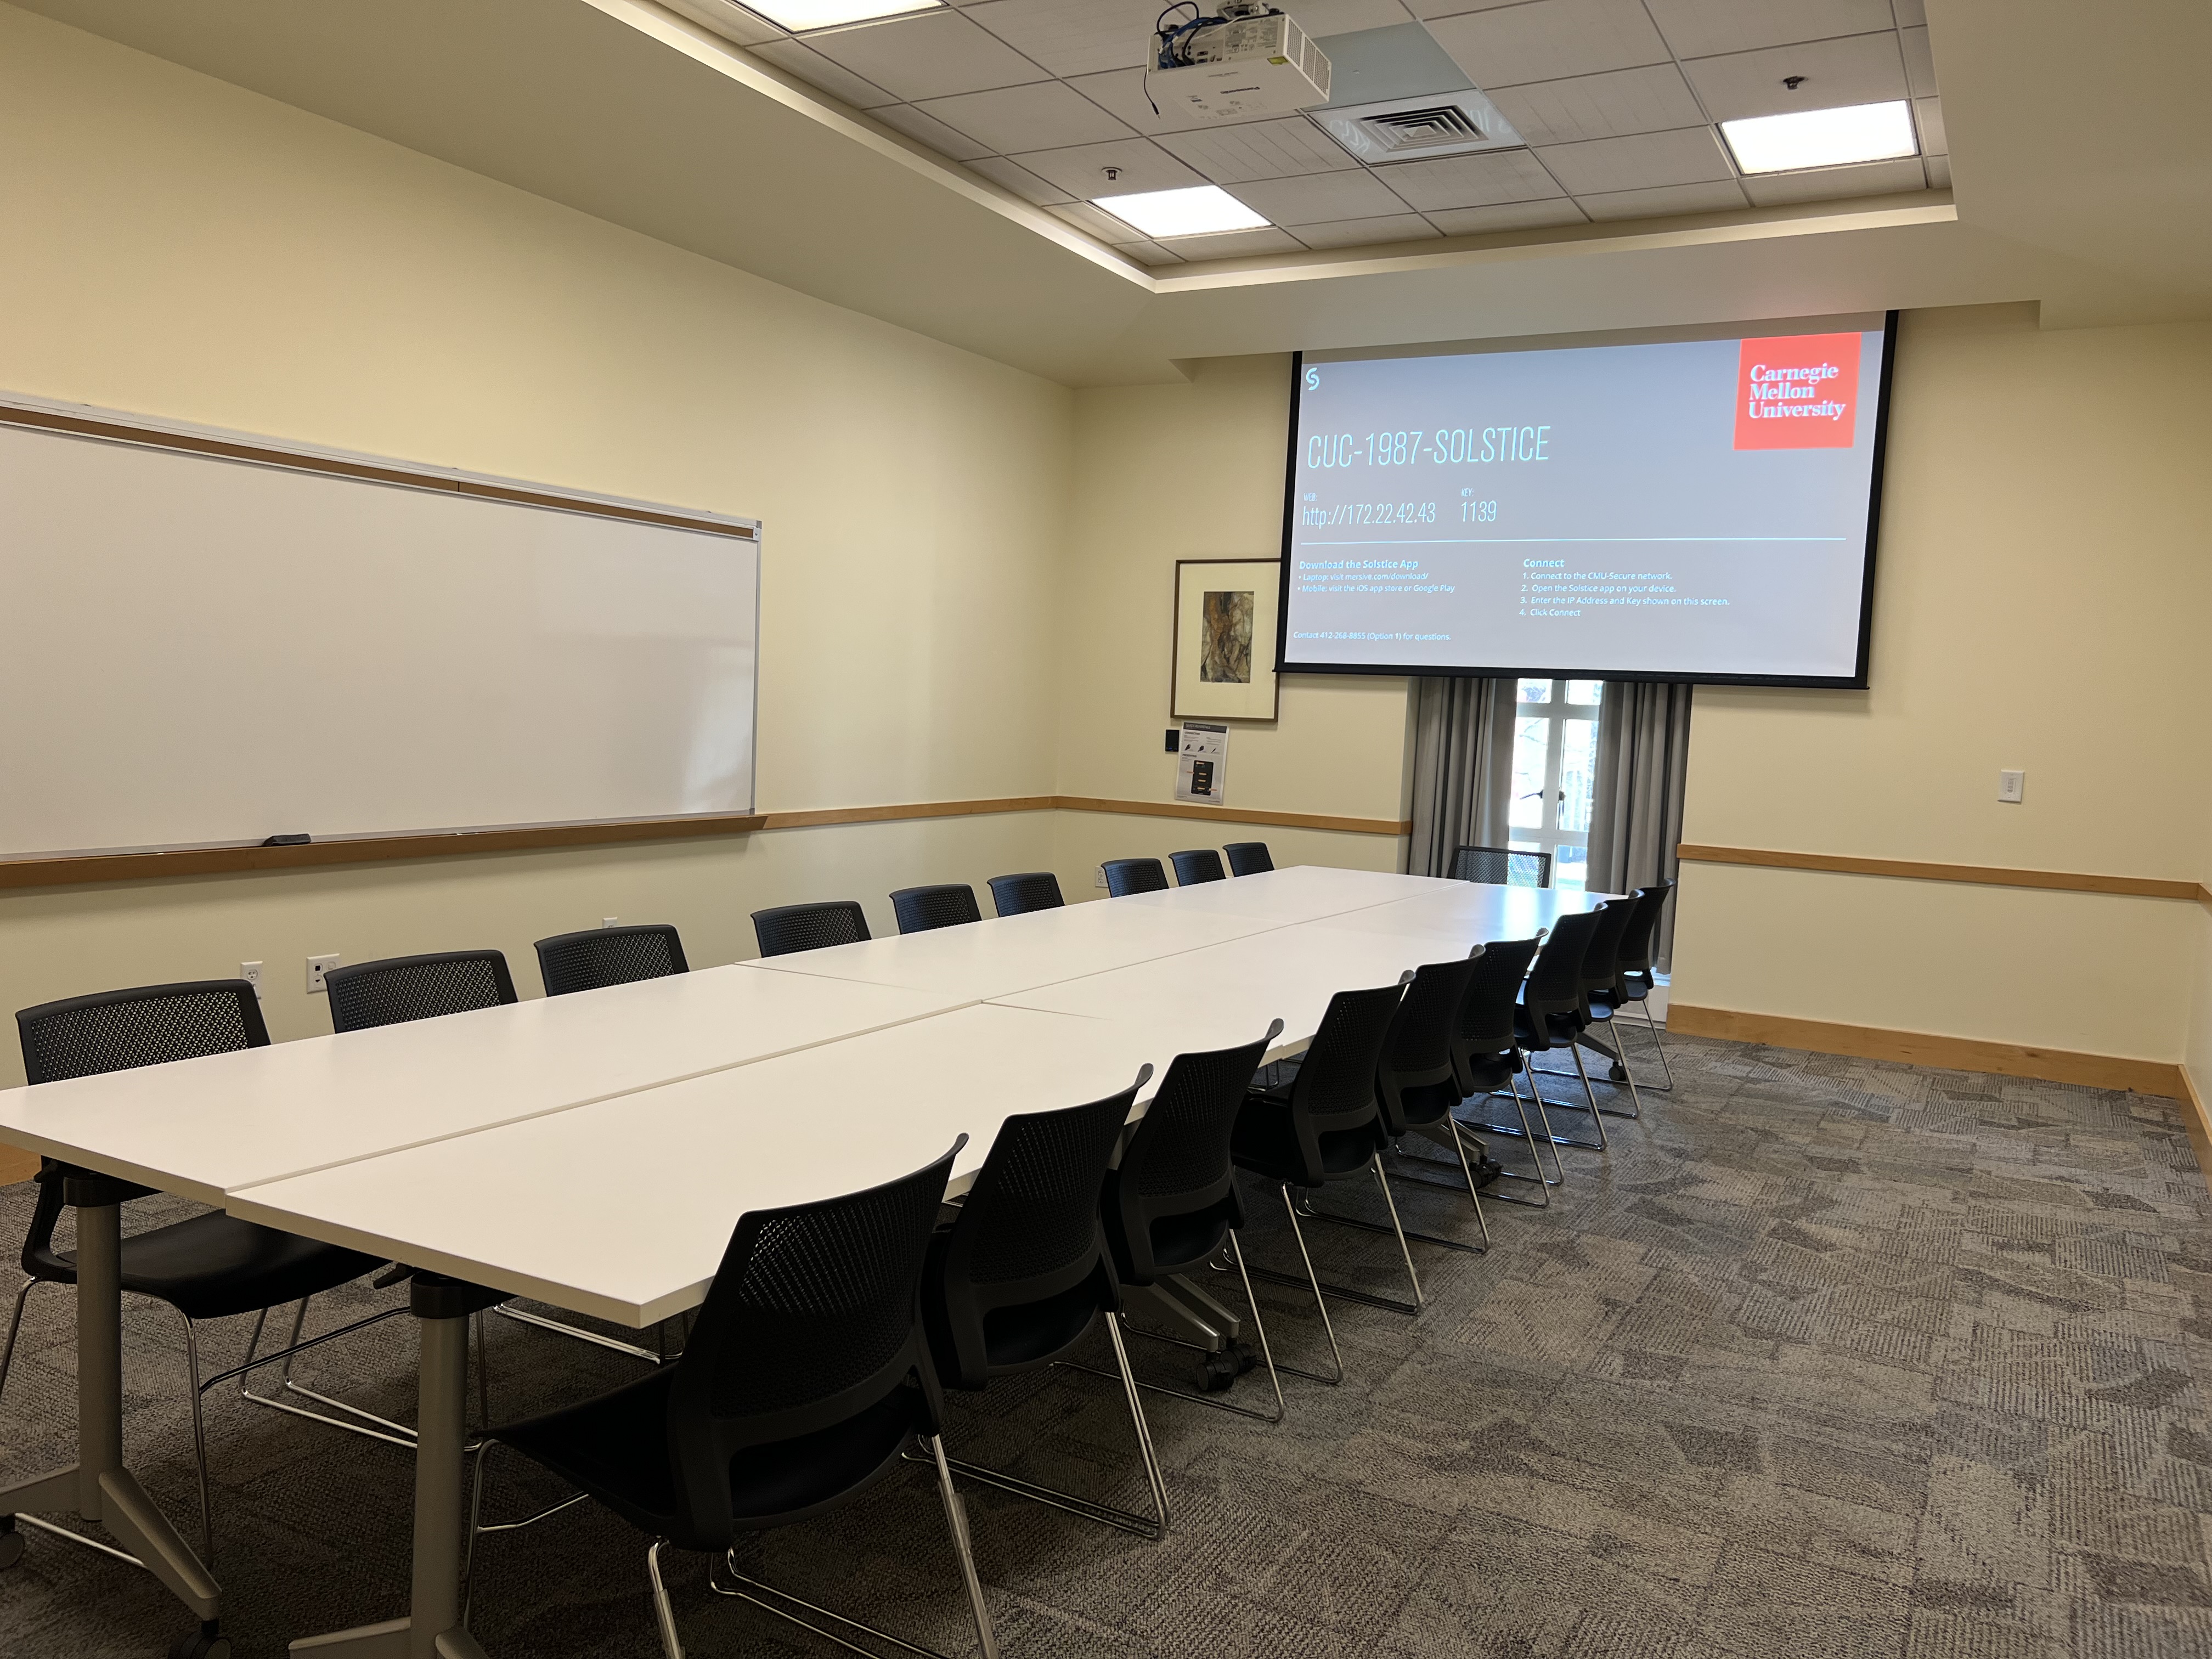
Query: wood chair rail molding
{"points": [[1984, 875], [79, 869]]}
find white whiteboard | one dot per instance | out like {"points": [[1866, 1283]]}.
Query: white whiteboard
{"points": [[199, 651]]}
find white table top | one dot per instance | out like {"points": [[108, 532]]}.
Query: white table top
{"points": [[202, 1126], [623, 1209], [1306, 892], [1470, 914]]}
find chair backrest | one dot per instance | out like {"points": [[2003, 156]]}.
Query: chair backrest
{"points": [[810, 1320], [1486, 1017], [1127, 876], [1413, 1072], [402, 988], [1029, 1231], [1032, 890], [1602, 961], [1176, 1166], [1642, 927], [148, 1025], [1249, 858], [1334, 1089], [1554, 987], [1202, 864], [1502, 866], [787, 927], [599, 957], [921, 909]]}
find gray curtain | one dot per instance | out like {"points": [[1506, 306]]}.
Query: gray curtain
{"points": [[1636, 815], [1462, 768]]}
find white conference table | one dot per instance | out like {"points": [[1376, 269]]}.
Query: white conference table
{"points": [[594, 1151]]}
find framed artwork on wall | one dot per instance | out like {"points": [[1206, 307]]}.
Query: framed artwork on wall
{"points": [[1225, 639]]}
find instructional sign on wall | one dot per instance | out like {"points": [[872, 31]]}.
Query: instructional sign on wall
{"points": [[1202, 765]]}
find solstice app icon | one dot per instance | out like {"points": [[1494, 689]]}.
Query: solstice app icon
{"points": [[1798, 392]]}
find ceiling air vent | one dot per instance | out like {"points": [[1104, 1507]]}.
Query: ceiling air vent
{"points": [[1416, 129]]}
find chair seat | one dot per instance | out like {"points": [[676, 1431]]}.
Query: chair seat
{"points": [[214, 1265], [1488, 1072], [616, 1448], [1030, 1333], [1266, 1142], [1428, 1103], [1182, 1243], [1562, 1030]]}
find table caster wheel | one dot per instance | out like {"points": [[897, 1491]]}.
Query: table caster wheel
{"points": [[11, 1546], [205, 1642], [1216, 1372]]}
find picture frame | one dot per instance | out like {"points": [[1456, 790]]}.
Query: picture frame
{"points": [[1227, 614]]}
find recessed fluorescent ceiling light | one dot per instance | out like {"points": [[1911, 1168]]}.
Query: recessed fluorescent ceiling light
{"points": [[801, 15], [1193, 212], [1822, 137]]}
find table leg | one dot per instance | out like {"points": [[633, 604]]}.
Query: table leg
{"points": [[99, 1488], [432, 1629]]}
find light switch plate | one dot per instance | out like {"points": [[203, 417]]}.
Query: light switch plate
{"points": [[2012, 787], [317, 967]]}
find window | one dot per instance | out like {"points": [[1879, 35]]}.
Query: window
{"points": [[1555, 766]]}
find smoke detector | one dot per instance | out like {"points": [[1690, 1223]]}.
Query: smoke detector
{"points": [[1418, 129]]}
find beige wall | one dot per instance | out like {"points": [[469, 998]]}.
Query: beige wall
{"points": [[1195, 472], [181, 248], [2045, 572]]}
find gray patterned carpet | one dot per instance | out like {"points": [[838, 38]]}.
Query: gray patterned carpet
{"points": [[1826, 1358]]}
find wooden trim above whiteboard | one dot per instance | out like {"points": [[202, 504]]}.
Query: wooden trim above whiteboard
{"points": [[115, 430], [1983, 875]]}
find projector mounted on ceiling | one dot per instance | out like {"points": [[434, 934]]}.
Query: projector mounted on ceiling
{"points": [[1244, 60]]}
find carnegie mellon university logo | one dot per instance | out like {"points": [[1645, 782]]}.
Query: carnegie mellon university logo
{"points": [[1798, 392]]}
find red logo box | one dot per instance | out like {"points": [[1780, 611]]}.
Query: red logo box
{"points": [[1801, 392]]}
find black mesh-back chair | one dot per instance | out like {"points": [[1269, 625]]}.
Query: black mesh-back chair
{"points": [[805, 1381], [1601, 976], [1127, 876], [1485, 1058], [1551, 1016], [1024, 1273], [1635, 982], [398, 989], [209, 1266], [1032, 890], [1417, 1089], [600, 957], [1173, 1202], [922, 909], [789, 927], [1502, 866], [1249, 858], [1318, 1124], [1193, 867]]}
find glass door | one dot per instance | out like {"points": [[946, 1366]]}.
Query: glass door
{"points": [[1554, 767]]}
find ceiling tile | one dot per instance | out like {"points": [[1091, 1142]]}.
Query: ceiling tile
{"points": [[1073, 36], [1647, 99], [1706, 28], [1148, 253], [928, 130], [1458, 181], [1260, 150], [1099, 222], [1667, 199], [1507, 216], [1324, 17], [1366, 233], [1688, 155], [1919, 61], [1939, 171], [1927, 116], [812, 67], [1019, 179], [1833, 184], [1047, 116], [730, 20], [1550, 40], [1234, 244], [1911, 14], [1122, 93], [1318, 198], [1425, 9], [1081, 170], [1861, 68], [933, 55]]}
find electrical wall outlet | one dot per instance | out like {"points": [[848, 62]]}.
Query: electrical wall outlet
{"points": [[1101, 881], [251, 973], [2012, 787], [317, 967], [609, 922]]}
